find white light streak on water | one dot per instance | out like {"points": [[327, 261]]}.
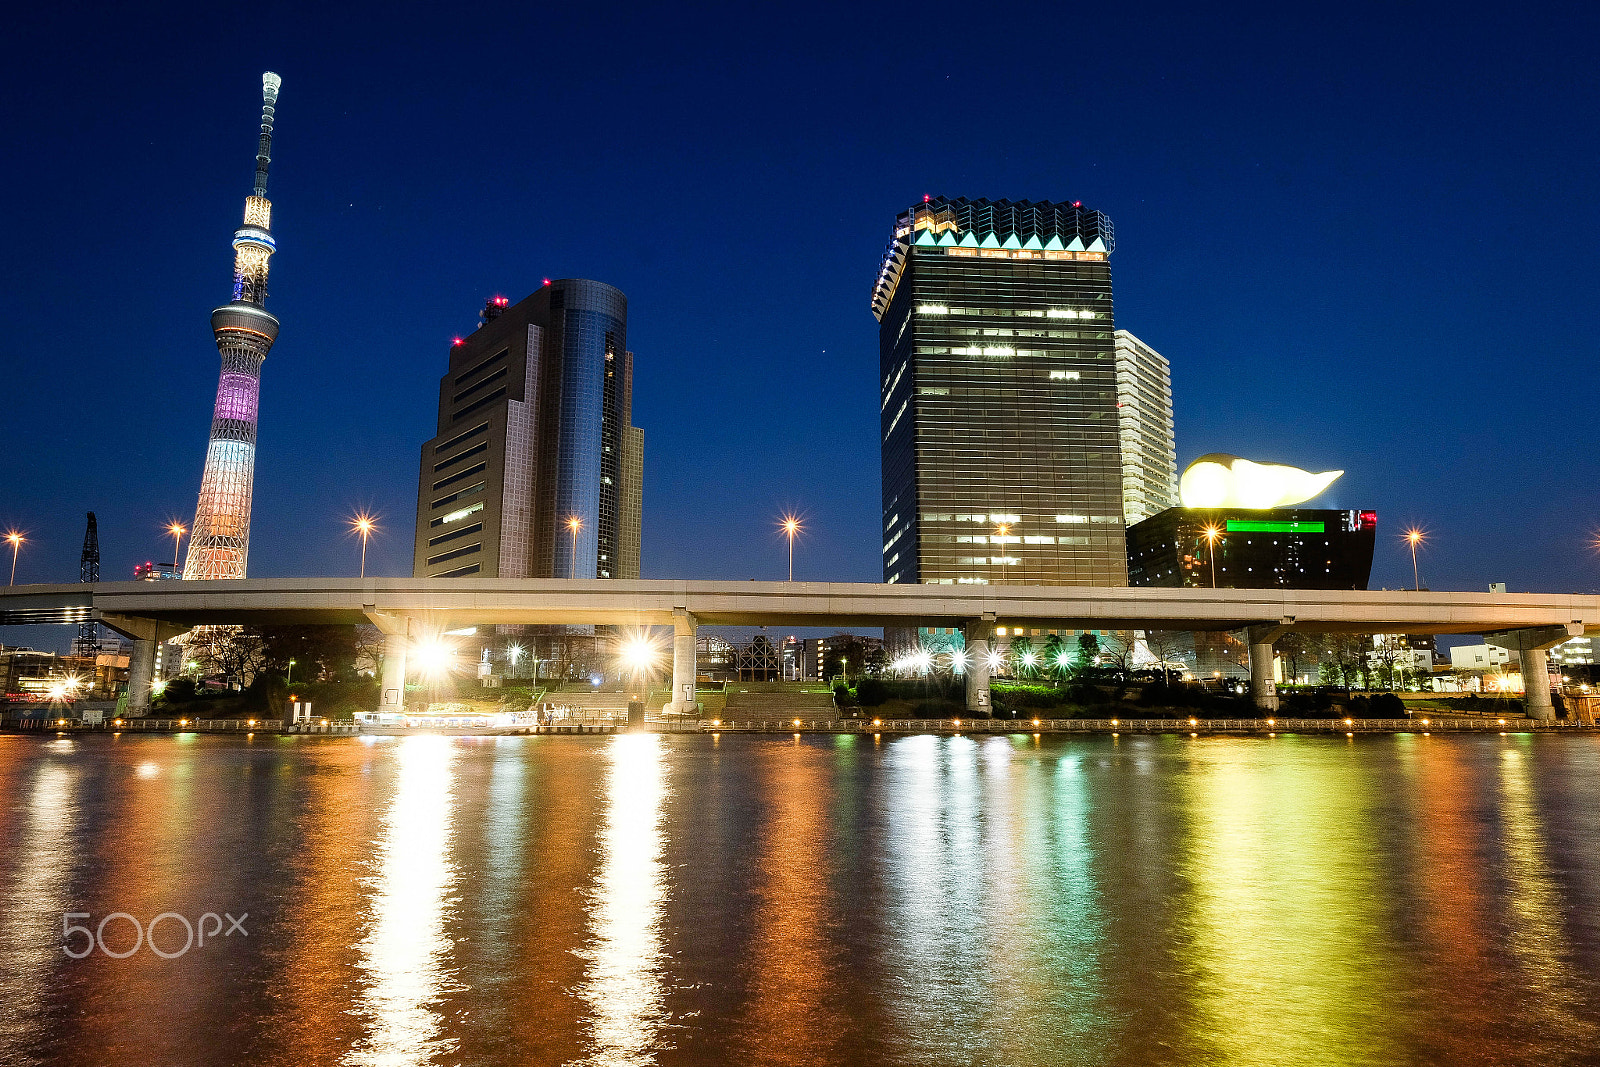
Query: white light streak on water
{"points": [[406, 956], [626, 988]]}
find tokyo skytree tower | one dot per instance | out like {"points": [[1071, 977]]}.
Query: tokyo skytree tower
{"points": [[220, 544]]}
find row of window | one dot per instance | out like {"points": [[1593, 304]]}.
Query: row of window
{"points": [[460, 475], [457, 554], [459, 494], [996, 518], [1011, 312], [457, 515]]}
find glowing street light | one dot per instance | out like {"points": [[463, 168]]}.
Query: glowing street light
{"points": [[1415, 537], [514, 653], [638, 653], [363, 526], [288, 679], [435, 658], [1212, 533], [574, 524], [176, 530], [16, 539], [791, 527]]}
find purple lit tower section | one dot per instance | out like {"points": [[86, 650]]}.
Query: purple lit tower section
{"points": [[220, 544]]}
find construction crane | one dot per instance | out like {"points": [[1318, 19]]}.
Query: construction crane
{"points": [[88, 642]]}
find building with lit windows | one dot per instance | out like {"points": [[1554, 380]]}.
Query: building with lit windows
{"points": [[1000, 440], [1578, 652], [1275, 548], [536, 470], [1144, 423]]}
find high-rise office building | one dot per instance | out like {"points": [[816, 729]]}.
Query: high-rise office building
{"points": [[244, 332], [1144, 418], [536, 471], [1001, 452]]}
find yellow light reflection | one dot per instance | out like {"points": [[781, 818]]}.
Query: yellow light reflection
{"points": [[1285, 905], [1535, 932], [31, 937], [625, 986], [406, 955]]}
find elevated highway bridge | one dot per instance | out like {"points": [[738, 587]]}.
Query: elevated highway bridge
{"points": [[410, 609]]}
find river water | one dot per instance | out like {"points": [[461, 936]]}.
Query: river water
{"points": [[651, 899]]}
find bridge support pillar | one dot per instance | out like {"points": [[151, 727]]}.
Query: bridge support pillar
{"points": [[978, 633], [1536, 684], [1263, 686], [145, 634], [684, 627], [1531, 645], [141, 676], [392, 690]]}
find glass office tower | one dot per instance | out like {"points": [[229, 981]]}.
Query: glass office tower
{"points": [[1001, 453], [535, 437]]}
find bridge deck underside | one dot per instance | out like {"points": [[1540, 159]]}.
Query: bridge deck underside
{"points": [[452, 603]]}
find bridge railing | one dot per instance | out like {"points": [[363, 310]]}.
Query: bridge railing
{"points": [[137, 724], [1025, 726]]}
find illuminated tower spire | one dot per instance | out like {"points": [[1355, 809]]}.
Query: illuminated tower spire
{"points": [[220, 544]]}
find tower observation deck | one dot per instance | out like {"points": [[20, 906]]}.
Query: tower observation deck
{"points": [[244, 331]]}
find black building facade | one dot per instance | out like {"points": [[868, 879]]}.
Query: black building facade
{"points": [[1000, 445], [1285, 548]]}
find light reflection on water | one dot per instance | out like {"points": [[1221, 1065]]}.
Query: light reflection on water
{"points": [[1288, 912], [624, 987], [405, 957], [41, 865], [929, 900], [1537, 938]]}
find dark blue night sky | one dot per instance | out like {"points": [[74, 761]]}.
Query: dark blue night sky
{"points": [[1364, 239]]}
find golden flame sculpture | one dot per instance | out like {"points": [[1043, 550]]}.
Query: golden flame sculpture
{"points": [[1218, 480]]}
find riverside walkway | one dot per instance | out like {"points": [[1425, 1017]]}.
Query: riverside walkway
{"points": [[1195, 727]]}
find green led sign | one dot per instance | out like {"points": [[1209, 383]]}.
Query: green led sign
{"points": [[1263, 526]]}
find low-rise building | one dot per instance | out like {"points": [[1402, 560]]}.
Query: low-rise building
{"points": [[1480, 658]]}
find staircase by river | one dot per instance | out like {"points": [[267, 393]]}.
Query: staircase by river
{"points": [[746, 706]]}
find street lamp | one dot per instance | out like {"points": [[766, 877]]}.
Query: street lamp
{"points": [[1415, 537], [176, 530], [791, 527], [513, 653], [288, 679], [363, 526], [16, 539], [1212, 534], [574, 524]]}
